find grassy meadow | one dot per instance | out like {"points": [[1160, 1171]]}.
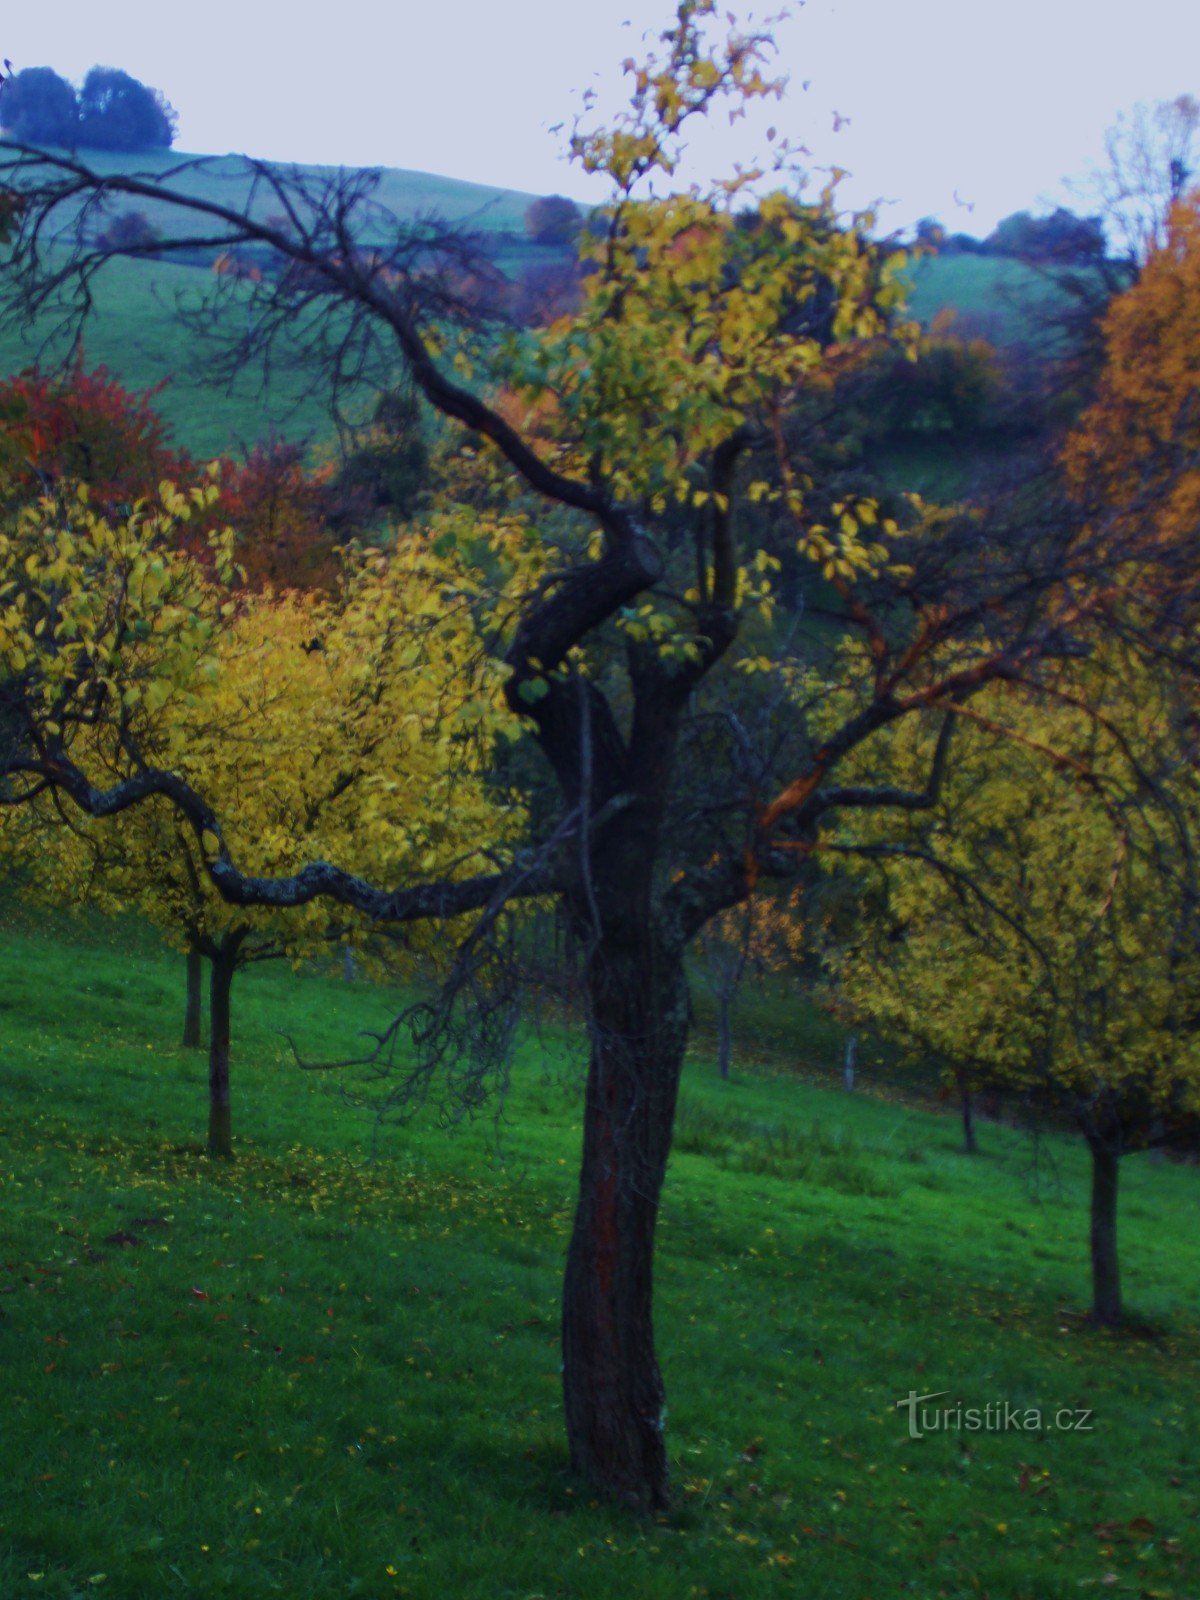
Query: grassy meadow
{"points": [[226, 180], [330, 1368], [135, 330], [137, 334], [996, 298]]}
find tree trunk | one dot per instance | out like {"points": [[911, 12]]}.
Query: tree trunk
{"points": [[724, 1034], [193, 1002], [1106, 1280], [220, 1122], [1157, 1134], [848, 1063], [612, 1387], [970, 1143]]}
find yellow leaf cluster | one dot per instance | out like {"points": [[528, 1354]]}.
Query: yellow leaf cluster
{"points": [[356, 728], [1054, 953]]}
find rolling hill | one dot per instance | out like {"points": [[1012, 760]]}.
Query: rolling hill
{"points": [[136, 333]]}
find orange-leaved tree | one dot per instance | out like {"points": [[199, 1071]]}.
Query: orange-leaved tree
{"points": [[1135, 456], [85, 426]]}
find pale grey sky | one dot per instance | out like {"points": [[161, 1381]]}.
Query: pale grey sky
{"points": [[996, 103]]}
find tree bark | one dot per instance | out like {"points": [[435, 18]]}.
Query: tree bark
{"points": [[220, 1120], [1106, 1279], [193, 1002], [849, 1062], [612, 1387], [724, 1034], [970, 1143]]}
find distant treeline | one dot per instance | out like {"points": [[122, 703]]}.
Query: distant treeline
{"points": [[1061, 237]]}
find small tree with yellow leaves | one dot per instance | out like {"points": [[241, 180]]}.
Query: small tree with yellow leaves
{"points": [[1036, 929], [357, 727]]}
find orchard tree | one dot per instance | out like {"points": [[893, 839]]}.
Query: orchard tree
{"points": [[128, 230], [84, 426], [282, 515], [553, 219], [80, 426], [386, 466], [1061, 238], [749, 940], [1036, 929], [614, 481], [358, 727], [1153, 162], [1135, 456]]}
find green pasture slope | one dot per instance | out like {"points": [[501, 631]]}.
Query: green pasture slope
{"points": [[227, 180], [137, 333], [1004, 301], [330, 1368]]}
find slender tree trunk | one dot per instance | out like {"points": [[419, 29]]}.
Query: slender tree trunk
{"points": [[193, 1003], [220, 1122], [1106, 1279], [612, 1387], [724, 1033], [970, 1143], [1157, 1131], [849, 1062]]}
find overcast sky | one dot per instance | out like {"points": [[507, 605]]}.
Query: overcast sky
{"points": [[993, 103]]}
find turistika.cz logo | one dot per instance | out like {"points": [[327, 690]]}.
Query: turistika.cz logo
{"points": [[998, 1416]]}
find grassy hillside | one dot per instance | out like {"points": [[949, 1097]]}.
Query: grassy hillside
{"points": [[225, 179], [331, 1368], [137, 334], [1004, 301]]}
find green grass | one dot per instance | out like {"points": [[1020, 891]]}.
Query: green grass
{"points": [[136, 332], [224, 179], [331, 1367], [1004, 301]]}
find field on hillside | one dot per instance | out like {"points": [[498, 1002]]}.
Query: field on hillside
{"points": [[1004, 301], [330, 1368], [136, 333], [227, 181], [135, 330]]}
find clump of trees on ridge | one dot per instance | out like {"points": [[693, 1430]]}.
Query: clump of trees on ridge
{"points": [[112, 111]]}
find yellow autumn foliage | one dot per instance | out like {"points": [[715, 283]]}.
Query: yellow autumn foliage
{"points": [[357, 728], [1055, 951]]}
